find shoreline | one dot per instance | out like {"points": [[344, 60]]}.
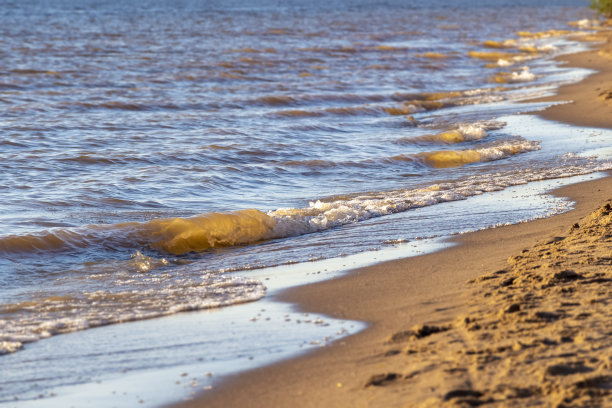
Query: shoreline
{"points": [[590, 99], [432, 289]]}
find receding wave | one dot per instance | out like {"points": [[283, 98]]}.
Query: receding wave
{"points": [[498, 151], [30, 321]]}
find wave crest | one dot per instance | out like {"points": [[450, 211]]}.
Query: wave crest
{"points": [[182, 235], [176, 236], [456, 158]]}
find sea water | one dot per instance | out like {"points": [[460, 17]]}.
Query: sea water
{"points": [[158, 156]]}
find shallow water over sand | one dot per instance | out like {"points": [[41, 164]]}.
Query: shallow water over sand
{"points": [[154, 154]]}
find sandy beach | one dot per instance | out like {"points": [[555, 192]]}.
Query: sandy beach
{"points": [[511, 316], [272, 204]]}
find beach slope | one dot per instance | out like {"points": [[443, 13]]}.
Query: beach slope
{"points": [[511, 316]]}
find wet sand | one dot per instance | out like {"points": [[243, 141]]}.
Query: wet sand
{"points": [[512, 316], [590, 101]]}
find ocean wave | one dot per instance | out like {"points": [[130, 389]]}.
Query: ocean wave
{"points": [[528, 46], [371, 104], [171, 292], [309, 163], [432, 55], [324, 214], [297, 113], [464, 132], [411, 104], [178, 236], [545, 34], [520, 45], [308, 98], [118, 105], [497, 151], [172, 235]]}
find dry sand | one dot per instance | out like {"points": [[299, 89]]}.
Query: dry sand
{"points": [[512, 316]]}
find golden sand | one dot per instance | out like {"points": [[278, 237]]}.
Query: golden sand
{"points": [[537, 332], [511, 317]]}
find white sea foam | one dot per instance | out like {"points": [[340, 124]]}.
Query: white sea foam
{"points": [[463, 132], [479, 130], [585, 23], [524, 75], [322, 215], [7, 347], [42, 318]]}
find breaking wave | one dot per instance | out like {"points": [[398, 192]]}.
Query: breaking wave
{"points": [[498, 151], [463, 133], [203, 232]]}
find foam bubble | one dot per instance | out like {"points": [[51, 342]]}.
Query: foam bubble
{"points": [[524, 75], [7, 347], [143, 263], [502, 62]]}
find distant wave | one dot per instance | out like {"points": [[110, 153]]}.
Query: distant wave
{"points": [[408, 103]]}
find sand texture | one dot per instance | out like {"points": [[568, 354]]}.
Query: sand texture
{"points": [[589, 102], [509, 317], [461, 326], [537, 333]]}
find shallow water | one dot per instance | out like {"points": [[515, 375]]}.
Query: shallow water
{"points": [[155, 154], [161, 361]]}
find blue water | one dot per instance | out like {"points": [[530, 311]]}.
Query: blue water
{"points": [[156, 154]]}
